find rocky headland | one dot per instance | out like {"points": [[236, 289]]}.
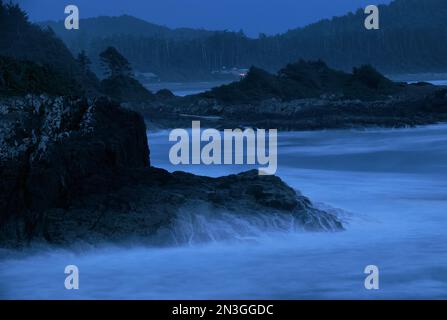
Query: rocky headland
{"points": [[78, 170]]}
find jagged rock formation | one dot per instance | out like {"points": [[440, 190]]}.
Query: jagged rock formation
{"points": [[79, 170]]}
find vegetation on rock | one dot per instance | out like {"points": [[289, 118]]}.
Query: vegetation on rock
{"points": [[120, 84], [304, 79]]}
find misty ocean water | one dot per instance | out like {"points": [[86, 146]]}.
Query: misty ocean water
{"points": [[388, 185]]}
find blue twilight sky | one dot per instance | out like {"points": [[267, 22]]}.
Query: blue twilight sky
{"points": [[253, 16]]}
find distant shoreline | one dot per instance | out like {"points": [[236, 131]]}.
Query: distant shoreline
{"points": [[433, 78]]}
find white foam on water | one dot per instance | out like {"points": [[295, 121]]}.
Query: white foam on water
{"points": [[393, 184]]}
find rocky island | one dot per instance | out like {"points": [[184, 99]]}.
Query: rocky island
{"points": [[306, 95]]}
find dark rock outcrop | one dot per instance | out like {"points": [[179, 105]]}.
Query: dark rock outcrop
{"points": [[414, 105], [49, 147], [79, 170], [125, 89], [156, 206]]}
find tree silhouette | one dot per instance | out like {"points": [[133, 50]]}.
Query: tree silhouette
{"points": [[83, 61], [115, 64]]}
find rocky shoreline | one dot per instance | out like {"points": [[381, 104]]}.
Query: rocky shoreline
{"points": [[79, 170], [415, 106], [303, 96]]}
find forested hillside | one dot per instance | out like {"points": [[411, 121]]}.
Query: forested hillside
{"points": [[36, 60], [23, 40], [412, 38]]}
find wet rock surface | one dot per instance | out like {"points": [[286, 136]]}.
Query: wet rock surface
{"points": [[79, 170]]}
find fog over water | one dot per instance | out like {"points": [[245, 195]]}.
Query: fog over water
{"points": [[391, 187]]}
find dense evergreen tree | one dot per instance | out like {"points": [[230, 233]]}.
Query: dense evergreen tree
{"points": [[114, 63], [24, 41], [18, 77], [120, 84], [83, 61]]}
